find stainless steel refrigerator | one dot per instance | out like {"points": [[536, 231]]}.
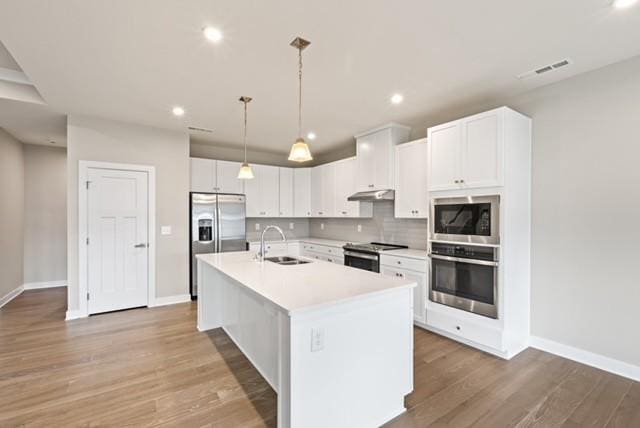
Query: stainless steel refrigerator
{"points": [[217, 225]]}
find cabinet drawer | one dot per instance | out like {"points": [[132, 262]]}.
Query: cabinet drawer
{"points": [[322, 249], [477, 333], [271, 249], [403, 263]]}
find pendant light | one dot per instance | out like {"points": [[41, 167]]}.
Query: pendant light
{"points": [[245, 172], [300, 150]]}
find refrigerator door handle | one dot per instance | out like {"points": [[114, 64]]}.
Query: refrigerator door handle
{"points": [[218, 221]]}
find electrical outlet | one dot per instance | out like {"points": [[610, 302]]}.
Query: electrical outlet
{"points": [[321, 226], [257, 226], [165, 230], [359, 228], [291, 226], [317, 339]]}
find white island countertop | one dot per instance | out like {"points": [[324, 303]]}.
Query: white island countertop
{"points": [[296, 288]]}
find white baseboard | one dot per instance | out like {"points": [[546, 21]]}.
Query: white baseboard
{"points": [[170, 300], [44, 284], [586, 357], [74, 314], [10, 296]]}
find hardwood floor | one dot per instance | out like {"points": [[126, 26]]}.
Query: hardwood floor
{"points": [[150, 367]]}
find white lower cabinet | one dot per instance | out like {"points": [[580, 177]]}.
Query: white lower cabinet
{"points": [[390, 267], [468, 330], [322, 252]]}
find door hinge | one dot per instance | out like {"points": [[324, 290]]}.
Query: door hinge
{"points": [[87, 183], [87, 296], [87, 241]]}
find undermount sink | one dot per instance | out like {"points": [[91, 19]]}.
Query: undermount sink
{"points": [[286, 260]]}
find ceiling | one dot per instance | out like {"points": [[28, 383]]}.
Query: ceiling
{"points": [[133, 60]]}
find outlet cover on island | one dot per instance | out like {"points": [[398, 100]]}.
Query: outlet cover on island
{"points": [[321, 226], [359, 228], [291, 226], [257, 226], [165, 230]]}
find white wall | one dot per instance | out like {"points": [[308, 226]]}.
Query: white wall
{"points": [[45, 214], [586, 210], [11, 213], [109, 141]]}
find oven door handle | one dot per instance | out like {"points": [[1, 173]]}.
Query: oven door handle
{"points": [[463, 260], [361, 255]]}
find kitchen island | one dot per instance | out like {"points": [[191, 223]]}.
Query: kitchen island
{"points": [[334, 342]]}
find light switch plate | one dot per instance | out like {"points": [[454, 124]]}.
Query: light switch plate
{"points": [[317, 339], [321, 226], [359, 228], [165, 230], [291, 226], [257, 226]]}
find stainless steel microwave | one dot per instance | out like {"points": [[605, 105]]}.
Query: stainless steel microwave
{"points": [[467, 219]]}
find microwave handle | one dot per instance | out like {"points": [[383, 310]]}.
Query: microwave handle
{"points": [[463, 260]]}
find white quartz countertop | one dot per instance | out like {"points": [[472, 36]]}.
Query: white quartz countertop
{"points": [[301, 287], [408, 253]]}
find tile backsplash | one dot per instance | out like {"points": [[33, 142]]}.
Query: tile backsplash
{"points": [[300, 228], [382, 227]]}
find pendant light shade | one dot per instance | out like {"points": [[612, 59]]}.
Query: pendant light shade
{"points": [[300, 149], [245, 173]]}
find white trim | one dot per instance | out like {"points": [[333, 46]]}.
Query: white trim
{"points": [[83, 168], [171, 300], [14, 76], [11, 295], [44, 284], [586, 357], [74, 314]]}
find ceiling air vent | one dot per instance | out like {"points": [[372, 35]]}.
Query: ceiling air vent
{"points": [[545, 69], [197, 129]]}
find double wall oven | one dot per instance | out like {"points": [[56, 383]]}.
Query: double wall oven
{"points": [[464, 252]]}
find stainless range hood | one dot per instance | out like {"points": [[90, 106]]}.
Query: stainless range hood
{"points": [[373, 195]]}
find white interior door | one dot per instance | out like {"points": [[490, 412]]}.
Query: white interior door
{"points": [[118, 237]]}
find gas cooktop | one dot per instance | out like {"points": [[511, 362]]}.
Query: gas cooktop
{"points": [[373, 247]]}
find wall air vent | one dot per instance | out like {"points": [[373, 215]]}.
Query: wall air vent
{"points": [[545, 69], [197, 129]]}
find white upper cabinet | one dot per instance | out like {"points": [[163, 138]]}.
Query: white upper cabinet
{"points": [[316, 192], [328, 192], [227, 177], [302, 192], [202, 175], [286, 192], [411, 199], [375, 156], [345, 186], [215, 176], [468, 153], [263, 192]]}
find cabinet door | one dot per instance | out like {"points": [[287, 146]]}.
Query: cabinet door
{"points": [[419, 292], [411, 180], [253, 194], [383, 158], [202, 175], [482, 158], [302, 192], [444, 156], [366, 162], [270, 191], [328, 190], [316, 191], [227, 177], [286, 192], [345, 179]]}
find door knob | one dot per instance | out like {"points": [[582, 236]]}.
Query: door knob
{"points": [[140, 246]]}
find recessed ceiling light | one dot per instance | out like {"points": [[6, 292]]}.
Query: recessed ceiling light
{"points": [[178, 111], [212, 34], [311, 136], [621, 4], [397, 98]]}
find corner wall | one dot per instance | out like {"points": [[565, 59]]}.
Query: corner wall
{"points": [[11, 215], [95, 139]]}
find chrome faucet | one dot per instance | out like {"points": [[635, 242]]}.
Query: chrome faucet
{"points": [[261, 253]]}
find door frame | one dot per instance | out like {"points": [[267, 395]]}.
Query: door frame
{"points": [[83, 259]]}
